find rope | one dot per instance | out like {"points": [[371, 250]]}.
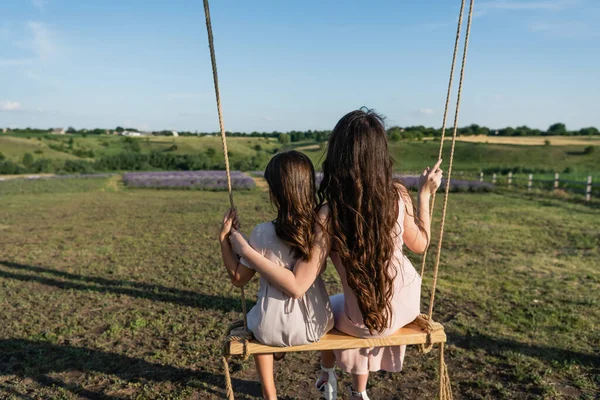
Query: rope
{"points": [[213, 61], [445, 385], [445, 120], [447, 192], [246, 336], [233, 335], [428, 326]]}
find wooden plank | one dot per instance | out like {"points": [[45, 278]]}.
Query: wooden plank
{"points": [[335, 340]]}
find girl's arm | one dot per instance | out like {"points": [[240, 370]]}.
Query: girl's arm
{"points": [[417, 228], [295, 283], [238, 273]]}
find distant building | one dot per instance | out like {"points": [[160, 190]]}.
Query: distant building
{"points": [[59, 131], [131, 134], [4, 130], [175, 133]]}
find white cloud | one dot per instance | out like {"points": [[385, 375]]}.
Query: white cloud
{"points": [[15, 62], [565, 29], [424, 111], [6, 105], [40, 4], [4, 31], [42, 39], [551, 5], [190, 95], [267, 118]]}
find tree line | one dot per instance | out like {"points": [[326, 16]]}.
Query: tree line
{"points": [[394, 132], [418, 132]]}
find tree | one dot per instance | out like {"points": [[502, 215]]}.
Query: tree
{"points": [[28, 159], [557, 129], [120, 129], [284, 138], [589, 131], [71, 130], [395, 136]]}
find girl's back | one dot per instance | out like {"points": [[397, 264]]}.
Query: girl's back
{"points": [[278, 319]]}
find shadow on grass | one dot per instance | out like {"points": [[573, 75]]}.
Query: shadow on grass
{"points": [[497, 346], [133, 289], [37, 360]]}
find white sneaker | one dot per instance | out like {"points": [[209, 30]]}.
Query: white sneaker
{"points": [[328, 389], [360, 395]]}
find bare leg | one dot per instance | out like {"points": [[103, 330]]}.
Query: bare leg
{"points": [[327, 361], [264, 366], [359, 384]]}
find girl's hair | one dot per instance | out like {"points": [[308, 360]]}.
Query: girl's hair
{"points": [[363, 202], [291, 179]]}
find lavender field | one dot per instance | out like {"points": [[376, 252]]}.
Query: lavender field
{"points": [[456, 185], [203, 180]]}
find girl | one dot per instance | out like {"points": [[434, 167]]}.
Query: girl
{"points": [[367, 218], [278, 319]]}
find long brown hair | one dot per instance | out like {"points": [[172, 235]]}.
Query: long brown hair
{"points": [[291, 179], [363, 201]]}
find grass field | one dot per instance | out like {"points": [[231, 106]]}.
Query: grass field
{"points": [[563, 156], [109, 293], [534, 140], [15, 147]]}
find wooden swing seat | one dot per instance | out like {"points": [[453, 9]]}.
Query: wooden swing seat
{"points": [[412, 334]]}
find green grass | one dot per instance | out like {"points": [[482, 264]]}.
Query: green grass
{"points": [[409, 156], [414, 156], [14, 148], [109, 293]]}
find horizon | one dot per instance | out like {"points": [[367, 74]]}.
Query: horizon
{"points": [[286, 67]]}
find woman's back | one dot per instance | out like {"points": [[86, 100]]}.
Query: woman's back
{"points": [[405, 303]]}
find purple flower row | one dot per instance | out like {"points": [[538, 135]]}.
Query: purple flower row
{"points": [[208, 180], [69, 176], [412, 183], [456, 185]]}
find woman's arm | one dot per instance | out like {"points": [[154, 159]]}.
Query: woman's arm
{"points": [[295, 283], [238, 273], [417, 228]]}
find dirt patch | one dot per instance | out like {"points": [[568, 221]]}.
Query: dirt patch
{"points": [[262, 184]]}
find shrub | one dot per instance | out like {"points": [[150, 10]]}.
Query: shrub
{"points": [[589, 150], [395, 136], [42, 165], [78, 166], [10, 168], [28, 159]]}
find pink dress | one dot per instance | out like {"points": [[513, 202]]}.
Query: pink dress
{"points": [[405, 306]]}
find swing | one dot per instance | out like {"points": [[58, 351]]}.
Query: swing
{"points": [[423, 331]]}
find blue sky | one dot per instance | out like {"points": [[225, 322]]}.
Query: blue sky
{"points": [[287, 65]]}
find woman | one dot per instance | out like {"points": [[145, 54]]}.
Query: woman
{"points": [[365, 219]]}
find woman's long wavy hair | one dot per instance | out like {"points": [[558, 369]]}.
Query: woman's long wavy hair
{"points": [[363, 200], [291, 179]]}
